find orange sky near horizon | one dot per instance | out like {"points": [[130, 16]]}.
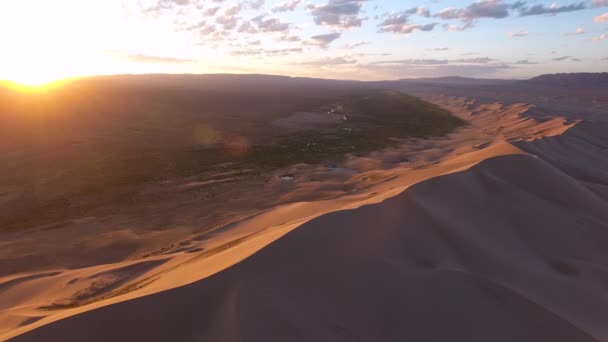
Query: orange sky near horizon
{"points": [[47, 40]]}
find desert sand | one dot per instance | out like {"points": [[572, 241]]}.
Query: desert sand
{"points": [[496, 232]]}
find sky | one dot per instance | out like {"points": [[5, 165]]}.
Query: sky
{"points": [[45, 40]]}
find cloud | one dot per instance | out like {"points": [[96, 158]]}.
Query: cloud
{"points": [[525, 62], [227, 21], [167, 4], [253, 4], [286, 6], [330, 61], [247, 27], [438, 49], [340, 14], [265, 52], [409, 28], [209, 12], [234, 10], [399, 22], [599, 38], [576, 32], [553, 9], [601, 18], [323, 40], [141, 58], [423, 12], [449, 13], [477, 60], [415, 62], [356, 45], [429, 61], [496, 9], [562, 58], [434, 68], [290, 38], [458, 28], [518, 34], [270, 24], [600, 3]]}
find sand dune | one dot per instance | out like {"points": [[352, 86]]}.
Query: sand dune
{"points": [[495, 233], [427, 258]]}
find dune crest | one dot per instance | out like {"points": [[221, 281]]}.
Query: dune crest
{"points": [[423, 229]]}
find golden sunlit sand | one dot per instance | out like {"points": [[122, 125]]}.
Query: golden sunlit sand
{"points": [[303, 170], [491, 232]]}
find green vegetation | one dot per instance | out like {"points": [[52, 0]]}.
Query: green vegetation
{"points": [[106, 157], [373, 121]]}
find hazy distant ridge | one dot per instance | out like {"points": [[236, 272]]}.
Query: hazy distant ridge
{"points": [[569, 79]]}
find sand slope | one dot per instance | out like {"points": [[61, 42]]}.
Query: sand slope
{"points": [[453, 256], [500, 235]]}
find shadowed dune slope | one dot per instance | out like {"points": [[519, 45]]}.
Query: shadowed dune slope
{"points": [[582, 152], [513, 249]]}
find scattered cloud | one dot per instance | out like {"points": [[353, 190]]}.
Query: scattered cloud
{"points": [[258, 28], [142, 58], [496, 9], [209, 12], [525, 62], [286, 6], [270, 24], [601, 18], [458, 28], [477, 60], [323, 40], [435, 68], [399, 22], [356, 45], [266, 52], [415, 62], [562, 58], [552, 9], [404, 28], [341, 14], [330, 61], [162, 5], [600, 3], [253, 4], [499, 9], [518, 34], [428, 61], [576, 32]]}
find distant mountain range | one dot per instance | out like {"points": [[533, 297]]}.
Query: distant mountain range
{"points": [[259, 83], [599, 79], [457, 80], [572, 79]]}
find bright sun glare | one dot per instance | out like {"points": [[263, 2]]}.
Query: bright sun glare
{"points": [[53, 43], [34, 79]]}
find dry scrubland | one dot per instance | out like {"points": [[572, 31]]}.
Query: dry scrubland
{"points": [[260, 208]]}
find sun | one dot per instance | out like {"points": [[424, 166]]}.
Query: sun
{"points": [[49, 43], [34, 81], [35, 73]]}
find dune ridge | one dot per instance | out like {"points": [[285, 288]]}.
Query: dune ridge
{"points": [[464, 226]]}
